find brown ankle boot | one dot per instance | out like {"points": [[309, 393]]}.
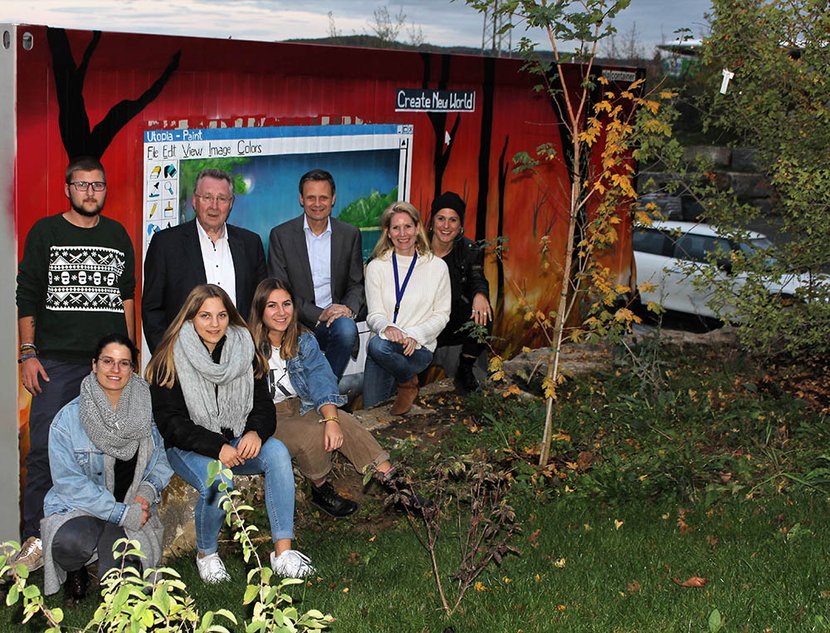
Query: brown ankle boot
{"points": [[407, 392]]}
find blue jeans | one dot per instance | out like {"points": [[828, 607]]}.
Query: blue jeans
{"points": [[387, 365], [273, 461], [64, 386], [337, 342]]}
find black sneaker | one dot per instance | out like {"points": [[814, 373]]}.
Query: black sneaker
{"points": [[76, 586], [326, 498], [465, 379]]}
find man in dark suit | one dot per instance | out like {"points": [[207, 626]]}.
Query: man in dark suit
{"points": [[204, 250], [321, 257]]}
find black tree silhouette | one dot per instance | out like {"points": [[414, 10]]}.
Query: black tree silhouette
{"points": [[78, 139]]}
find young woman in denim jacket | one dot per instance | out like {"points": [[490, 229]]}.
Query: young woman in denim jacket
{"points": [[108, 467], [305, 392]]}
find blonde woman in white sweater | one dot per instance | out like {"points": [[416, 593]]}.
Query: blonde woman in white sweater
{"points": [[408, 297]]}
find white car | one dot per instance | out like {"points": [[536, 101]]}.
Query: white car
{"points": [[670, 256]]}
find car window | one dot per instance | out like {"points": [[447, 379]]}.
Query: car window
{"points": [[698, 247], [650, 241]]}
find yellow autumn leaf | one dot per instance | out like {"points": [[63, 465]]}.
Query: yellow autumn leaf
{"points": [[642, 217], [496, 376], [559, 564], [512, 390], [624, 315], [561, 437], [526, 350], [618, 523], [479, 586]]}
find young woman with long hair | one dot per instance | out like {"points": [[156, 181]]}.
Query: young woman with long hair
{"points": [[305, 392], [210, 401]]}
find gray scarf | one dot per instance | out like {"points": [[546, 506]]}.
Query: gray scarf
{"points": [[218, 395], [116, 432]]}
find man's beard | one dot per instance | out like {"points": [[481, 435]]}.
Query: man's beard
{"points": [[80, 210]]}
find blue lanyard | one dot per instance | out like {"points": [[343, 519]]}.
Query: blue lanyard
{"points": [[399, 290]]}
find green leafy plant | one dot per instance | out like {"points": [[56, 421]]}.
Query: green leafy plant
{"points": [[273, 608], [156, 600], [19, 589]]}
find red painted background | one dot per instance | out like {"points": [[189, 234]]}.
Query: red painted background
{"points": [[234, 83]]}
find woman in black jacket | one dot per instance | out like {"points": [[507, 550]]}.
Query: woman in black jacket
{"points": [[470, 290], [211, 401]]}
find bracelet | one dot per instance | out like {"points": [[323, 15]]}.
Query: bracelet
{"points": [[25, 357], [25, 346], [331, 419]]}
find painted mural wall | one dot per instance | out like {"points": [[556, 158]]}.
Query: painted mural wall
{"points": [[80, 92]]}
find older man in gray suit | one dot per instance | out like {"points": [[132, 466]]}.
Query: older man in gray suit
{"points": [[321, 257]]}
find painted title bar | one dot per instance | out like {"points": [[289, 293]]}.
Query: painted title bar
{"points": [[288, 131], [425, 100]]}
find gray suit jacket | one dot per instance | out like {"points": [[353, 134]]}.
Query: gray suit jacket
{"points": [[288, 261]]}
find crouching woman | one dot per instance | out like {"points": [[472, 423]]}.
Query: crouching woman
{"points": [[108, 470]]}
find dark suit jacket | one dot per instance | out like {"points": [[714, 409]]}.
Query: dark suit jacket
{"points": [[288, 261], [173, 267]]}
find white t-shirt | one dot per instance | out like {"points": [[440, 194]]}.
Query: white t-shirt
{"points": [[278, 381]]}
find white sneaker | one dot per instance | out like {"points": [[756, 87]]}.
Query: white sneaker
{"points": [[30, 554], [291, 564], [212, 569]]}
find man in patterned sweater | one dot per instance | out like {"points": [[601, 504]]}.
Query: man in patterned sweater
{"points": [[76, 283]]}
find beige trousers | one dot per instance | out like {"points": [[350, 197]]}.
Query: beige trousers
{"points": [[303, 437]]}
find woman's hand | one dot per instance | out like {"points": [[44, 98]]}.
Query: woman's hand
{"points": [[332, 436], [397, 336], [409, 346], [482, 312], [391, 333], [249, 445], [230, 457], [145, 509]]}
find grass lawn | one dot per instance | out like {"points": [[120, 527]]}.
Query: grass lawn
{"points": [[715, 479]]}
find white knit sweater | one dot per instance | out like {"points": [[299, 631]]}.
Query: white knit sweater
{"points": [[425, 307]]}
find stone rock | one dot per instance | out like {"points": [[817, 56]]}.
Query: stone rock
{"points": [[178, 502], [661, 179], [671, 207], [744, 159], [720, 156], [176, 513], [749, 185], [575, 359]]}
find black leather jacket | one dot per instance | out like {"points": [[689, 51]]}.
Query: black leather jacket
{"points": [[466, 265]]}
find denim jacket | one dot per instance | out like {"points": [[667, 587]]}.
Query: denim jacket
{"points": [[311, 376], [78, 470]]}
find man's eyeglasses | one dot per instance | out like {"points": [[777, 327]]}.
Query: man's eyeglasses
{"points": [[210, 199], [83, 185], [123, 364]]}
